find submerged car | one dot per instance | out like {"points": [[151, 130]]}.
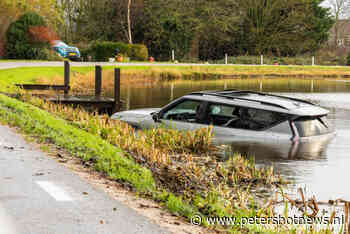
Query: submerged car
{"points": [[237, 114], [66, 51]]}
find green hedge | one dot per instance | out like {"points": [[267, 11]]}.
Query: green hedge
{"points": [[101, 51], [19, 45]]}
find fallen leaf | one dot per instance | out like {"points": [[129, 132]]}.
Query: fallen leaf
{"points": [[144, 206], [39, 174], [9, 147]]}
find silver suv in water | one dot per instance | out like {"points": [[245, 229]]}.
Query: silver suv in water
{"points": [[237, 114]]}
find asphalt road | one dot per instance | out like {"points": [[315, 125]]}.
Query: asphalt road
{"points": [[17, 64], [40, 196]]}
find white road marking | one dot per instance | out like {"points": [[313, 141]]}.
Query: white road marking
{"points": [[56, 192], [6, 224]]}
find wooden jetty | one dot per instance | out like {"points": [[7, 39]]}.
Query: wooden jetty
{"points": [[93, 103]]}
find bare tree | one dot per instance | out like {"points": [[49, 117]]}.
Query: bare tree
{"points": [[129, 23], [340, 10]]}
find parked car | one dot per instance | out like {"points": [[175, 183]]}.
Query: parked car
{"points": [[66, 51], [237, 114]]}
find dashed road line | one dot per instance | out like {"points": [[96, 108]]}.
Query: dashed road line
{"points": [[55, 191], [6, 224]]}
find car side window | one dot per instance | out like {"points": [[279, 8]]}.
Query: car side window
{"points": [[243, 117], [184, 111], [220, 114]]}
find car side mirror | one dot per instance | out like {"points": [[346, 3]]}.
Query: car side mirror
{"points": [[155, 117]]}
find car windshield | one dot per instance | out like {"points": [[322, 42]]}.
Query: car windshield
{"points": [[185, 111], [61, 44]]}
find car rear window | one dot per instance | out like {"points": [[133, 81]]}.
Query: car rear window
{"points": [[312, 126]]}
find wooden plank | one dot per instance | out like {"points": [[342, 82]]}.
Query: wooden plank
{"points": [[98, 81], [43, 87], [117, 90]]}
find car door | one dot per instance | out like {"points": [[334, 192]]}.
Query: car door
{"points": [[220, 116], [183, 115]]}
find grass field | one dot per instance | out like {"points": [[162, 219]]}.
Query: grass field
{"points": [[32, 74]]}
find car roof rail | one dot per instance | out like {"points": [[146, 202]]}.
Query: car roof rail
{"points": [[237, 94], [240, 92], [273, 95]]}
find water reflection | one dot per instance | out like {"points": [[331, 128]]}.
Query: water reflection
{"points": [[269, 152], [159, 94]]}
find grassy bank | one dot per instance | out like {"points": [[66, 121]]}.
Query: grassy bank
{"points": [[233, 71], [27, 75], [88, 147]]}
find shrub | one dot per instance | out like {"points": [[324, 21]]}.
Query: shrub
{"points": [[102, 50], [20, 45], [50, 55], [138, 52], [42, 34], [348, 60]]}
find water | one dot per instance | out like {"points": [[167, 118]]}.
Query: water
{"points": [[322, 167]]}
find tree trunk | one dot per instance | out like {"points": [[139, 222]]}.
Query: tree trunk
{"points": [[129, 23], [194, 51]]}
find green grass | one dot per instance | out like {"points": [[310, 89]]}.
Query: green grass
{"points": [[31, 74], [19, 60]]}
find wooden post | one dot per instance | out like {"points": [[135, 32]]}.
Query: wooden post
{"points": [[117, 90], [226, 59], [173, 55], [98, 81], [262, 59], [66, 77], [313, 60]]}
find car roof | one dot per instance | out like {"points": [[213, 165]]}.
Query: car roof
{"points": [[261, 101]]}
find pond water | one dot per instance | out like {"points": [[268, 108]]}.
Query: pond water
{"points": [[321, 167]]}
